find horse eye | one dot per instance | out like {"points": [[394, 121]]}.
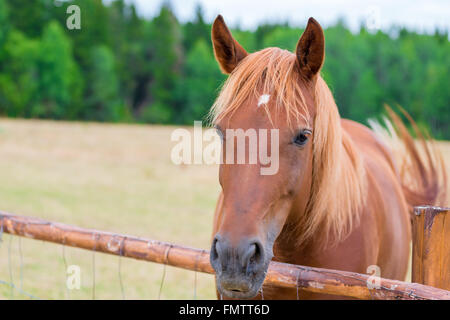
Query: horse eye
{"points": [[301, 138]]}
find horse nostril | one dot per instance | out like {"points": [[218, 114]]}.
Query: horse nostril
{"points": [[259, 253], [253, 256], [214, 251], [249, 255]]}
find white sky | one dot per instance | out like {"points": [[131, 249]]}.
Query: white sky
{"points": [[422, 16]]}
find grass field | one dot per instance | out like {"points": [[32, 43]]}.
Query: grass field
{"points": [[110, 177]]}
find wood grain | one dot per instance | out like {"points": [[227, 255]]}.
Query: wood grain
{"points": [[431, 247]]}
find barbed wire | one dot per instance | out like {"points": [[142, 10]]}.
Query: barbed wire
{"points": [[11, 278], [93, 265], [10, 284], [122, 245], [63, 253], [29, 295], [195, 273], [166, 258], [18, 289], [21, 263]]}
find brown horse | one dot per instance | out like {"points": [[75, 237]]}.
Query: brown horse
{"points": [[342, 196]]}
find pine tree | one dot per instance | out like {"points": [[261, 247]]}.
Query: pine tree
{"points": [[4, 26], [165, 54], [195, 30], [104, 101], [30, 17]]}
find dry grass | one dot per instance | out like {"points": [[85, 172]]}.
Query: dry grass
{"points": [[110, 177]]}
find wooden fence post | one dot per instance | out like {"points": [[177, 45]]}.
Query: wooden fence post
{"points": [[431, 247]]}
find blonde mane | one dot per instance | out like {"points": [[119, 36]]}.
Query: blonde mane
{"points": [[338, 175], [269, 70], [338, 179]]}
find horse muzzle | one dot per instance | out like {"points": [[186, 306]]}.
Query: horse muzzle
{"points": [[241, 269]]}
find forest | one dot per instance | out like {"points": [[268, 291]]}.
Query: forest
{"points": [[122, 67]]}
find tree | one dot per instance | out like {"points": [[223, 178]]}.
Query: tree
{"points": [[94, 30], [29, 17], [135, 68], [201, 82], [59, 81], [196, 29], [283, 37], [104, 101], [4, 26], [166, 54], [127, 48], [437, 95], [18, 79]]}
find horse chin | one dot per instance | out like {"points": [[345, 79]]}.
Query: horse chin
{"points": [[247, 288], [240, 294]]}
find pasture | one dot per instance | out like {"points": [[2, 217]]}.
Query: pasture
{"points": [[110, 177]]}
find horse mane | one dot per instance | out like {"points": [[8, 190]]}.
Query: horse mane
{"points": [[338, 179], [269, 70], [338, 175]]}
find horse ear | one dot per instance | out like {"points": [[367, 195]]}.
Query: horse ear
{"points": [[311, 49], [228, 51]]}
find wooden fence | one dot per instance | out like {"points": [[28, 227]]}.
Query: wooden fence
{"points": [[431, 257]]}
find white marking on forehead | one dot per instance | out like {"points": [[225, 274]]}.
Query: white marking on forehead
{"points": [[263, 99]]}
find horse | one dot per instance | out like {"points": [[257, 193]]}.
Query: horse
{"points": [[343, 194]]}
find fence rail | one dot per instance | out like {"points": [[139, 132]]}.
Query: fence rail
{"points": [[279, 274]]}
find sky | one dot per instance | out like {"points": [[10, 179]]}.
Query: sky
{"points": [[421, 16]]}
